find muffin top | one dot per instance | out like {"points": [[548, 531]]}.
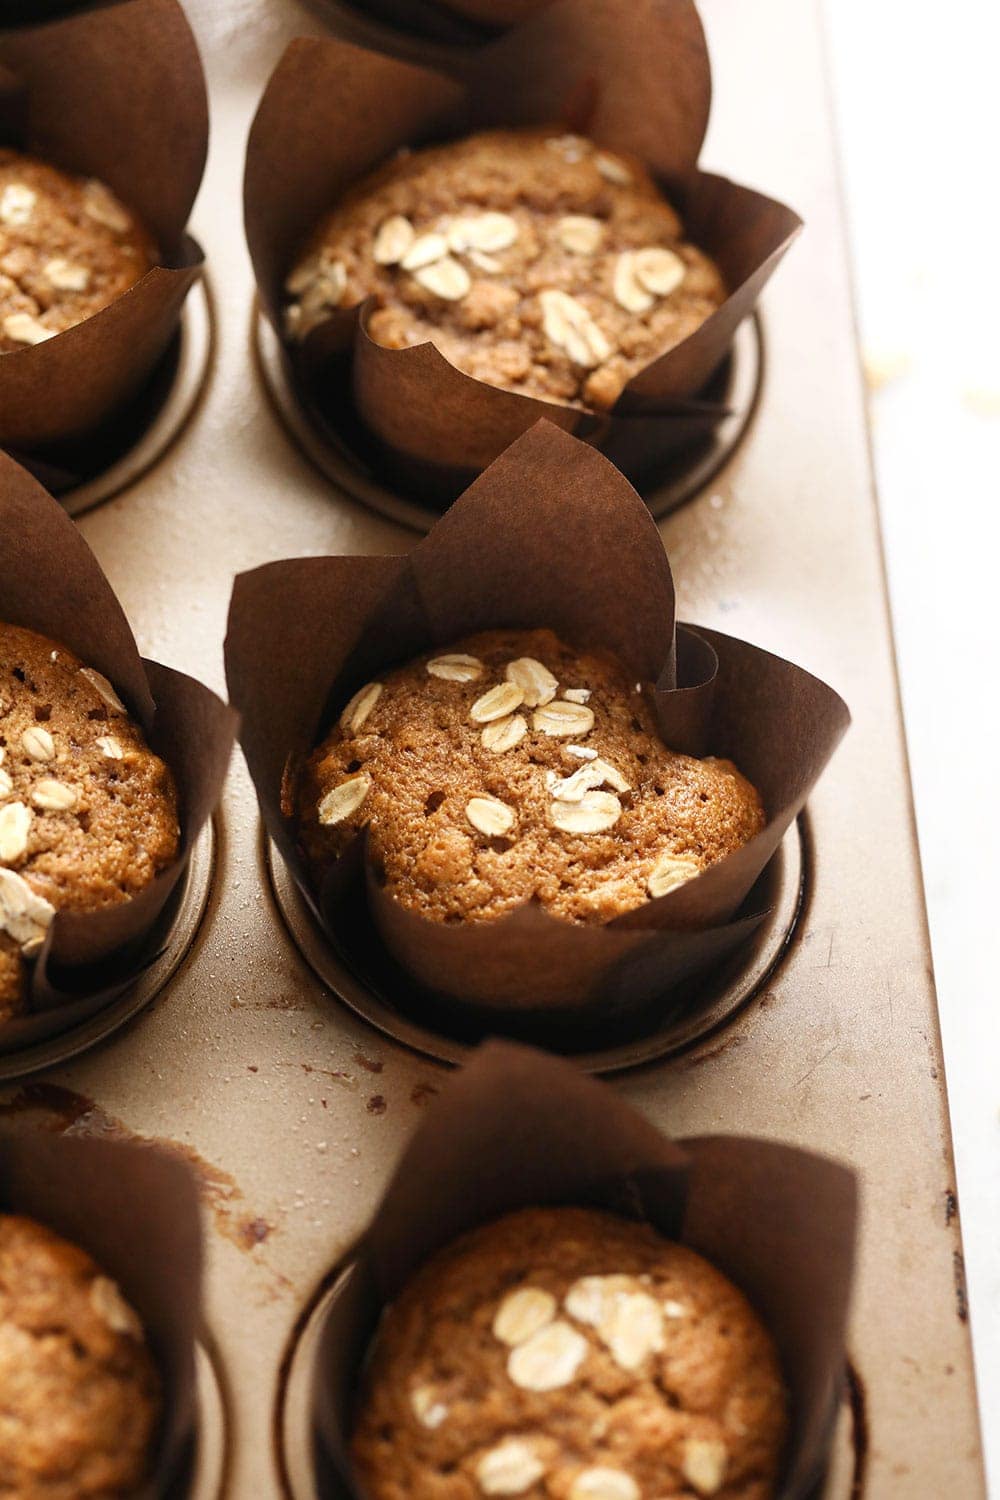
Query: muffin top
{"points": [[534, 261], [510, 767], [88, 814], [564, 1354], [68, 247], [81, 1396]]}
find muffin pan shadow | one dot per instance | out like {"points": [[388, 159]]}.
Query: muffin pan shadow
{"points": [[296, 1449], [165, 950], [685, 474], [84, 475], [372, 985], [208, 1468]]}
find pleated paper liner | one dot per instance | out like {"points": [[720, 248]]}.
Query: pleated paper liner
{"points": [[51, 582], [135, 1211], [516, 1129], [545, 537], [635, 76], [115, 93], [424, 28]]}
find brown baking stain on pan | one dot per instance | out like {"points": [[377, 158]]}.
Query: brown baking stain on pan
{"points": [[79, 93], [62, 1111], [318, 131]]}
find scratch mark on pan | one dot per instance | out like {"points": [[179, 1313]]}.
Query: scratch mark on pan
{"points": [[818, 1063]]}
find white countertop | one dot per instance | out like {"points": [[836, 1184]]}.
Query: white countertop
{"points": [[919, 113]]}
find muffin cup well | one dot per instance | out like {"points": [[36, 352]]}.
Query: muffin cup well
{"points": [[50, 582], [135, 1211], [515, 1129], [116, 93], [332, 112], [545, 537]]}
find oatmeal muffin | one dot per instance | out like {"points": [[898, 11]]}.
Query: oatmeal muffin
{"points": [[563, 1354], [81, 1396], [68, 247], [509, 768], [88, 814], [534, 261]]}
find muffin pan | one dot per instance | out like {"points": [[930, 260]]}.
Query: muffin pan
{"points": [[684, 474], [291, 1107]]}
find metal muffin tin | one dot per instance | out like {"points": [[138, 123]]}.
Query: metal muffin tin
{"points": [[290, 1106]]}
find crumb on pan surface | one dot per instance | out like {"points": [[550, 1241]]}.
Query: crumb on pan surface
{"points": [[509, 767], [80, 1393], [534, 261], [564, 1354], [88, 813], [68, 247]]}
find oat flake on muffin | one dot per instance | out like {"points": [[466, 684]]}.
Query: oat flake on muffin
{"points": [[564, 1354], [509, 767], [68, 247], [534, 261]]}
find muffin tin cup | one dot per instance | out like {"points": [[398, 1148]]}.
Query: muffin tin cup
{"points": [[341, 449], [85, 473], [53, 584], [420, 30], [115, 93], [425, 426], [135, 1211], [529, 544], [362, 975], [516, 1129]]}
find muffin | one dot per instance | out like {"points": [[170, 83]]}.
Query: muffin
{"points": [[81, 1396], [68, 247], [509, 768], [88, 814], [564, 1354], [534, 261]]}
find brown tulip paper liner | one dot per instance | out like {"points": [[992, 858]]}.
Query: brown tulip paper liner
{"points": [[634, 74], [550, 535], [51, 582], [516, 1129], [408, 23], [116, 93], [135, 1211]]}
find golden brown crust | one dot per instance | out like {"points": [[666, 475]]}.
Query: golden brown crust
{"points": [[427, 760], [502, 314], [540, 1354], [68, 247], [88, 814], [81, 1396]]}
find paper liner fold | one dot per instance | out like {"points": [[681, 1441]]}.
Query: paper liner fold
{"points": [[550, 535], [115, 93], [515, 1129], [135, 1211], [332, 112], [51, 582]]}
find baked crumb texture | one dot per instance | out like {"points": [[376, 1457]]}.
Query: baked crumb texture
{"points": [[68, 247], [80, 1394], [563, 1354], [88, 814], [533, 261], [510, 767]]}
